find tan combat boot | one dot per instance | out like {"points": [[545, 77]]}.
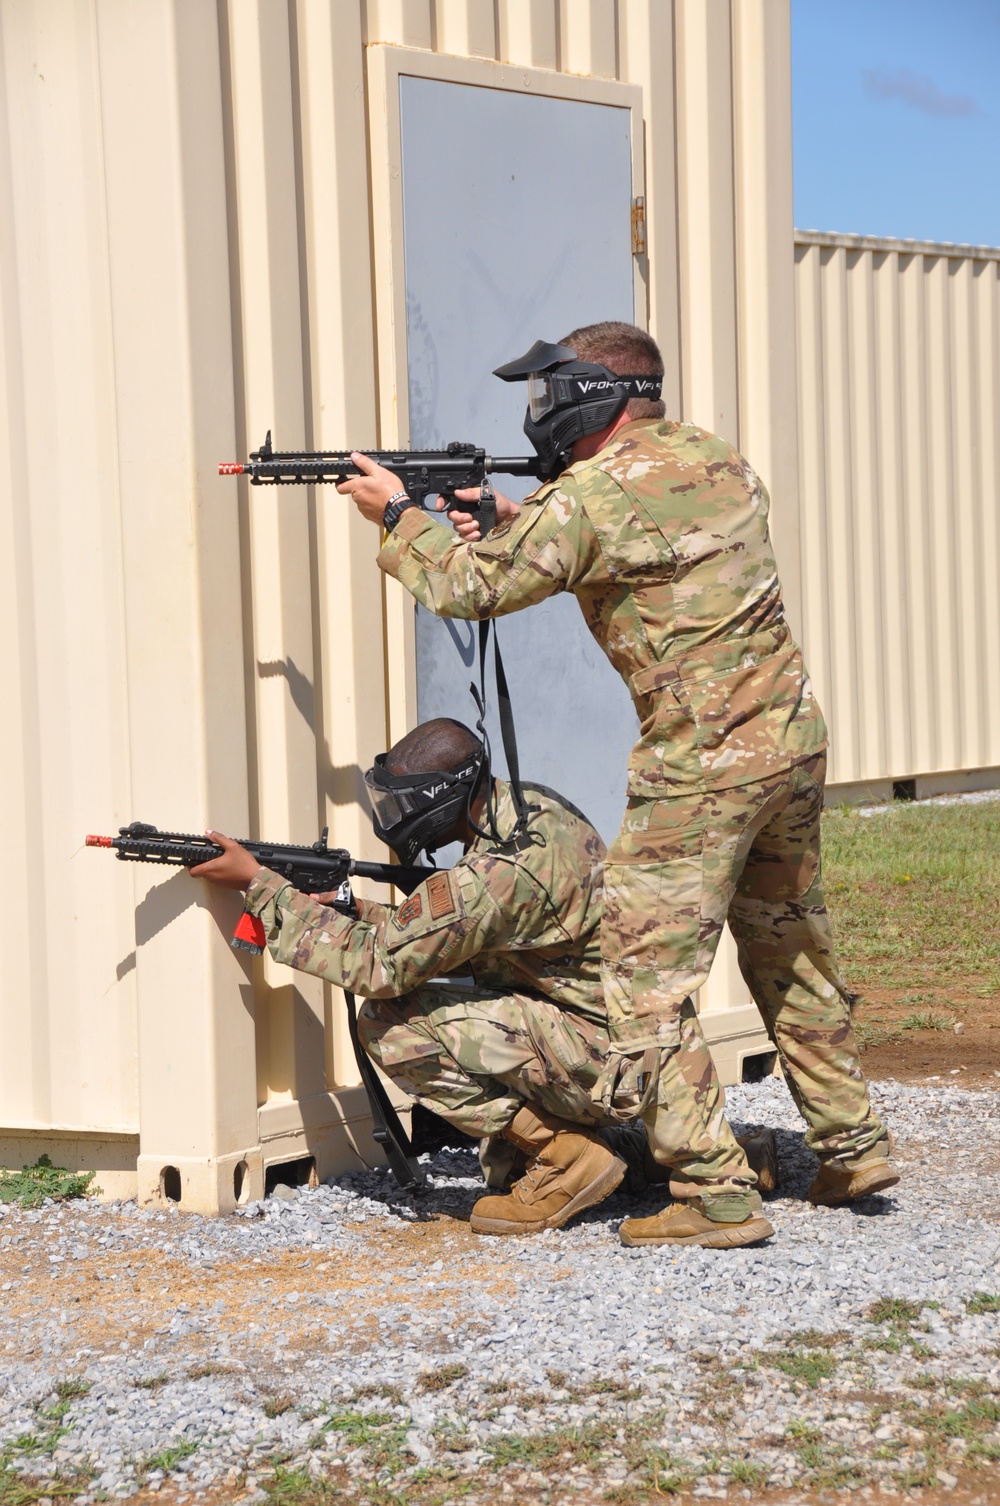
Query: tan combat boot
{"points": [[760, 1146], [686, 1224], [631, 1142], [569, 1169], [839, 1182]]}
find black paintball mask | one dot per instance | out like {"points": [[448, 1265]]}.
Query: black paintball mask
{"points": [[414, 813], [568, 398]]}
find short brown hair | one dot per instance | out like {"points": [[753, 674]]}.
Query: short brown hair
{"points": [[626, 350]]}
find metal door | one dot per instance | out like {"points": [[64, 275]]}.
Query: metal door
{"points": [[517, 225]]}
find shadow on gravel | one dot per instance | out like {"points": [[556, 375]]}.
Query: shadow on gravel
{"points": [[454, 1168], [876, 1206], [425, 1206]]}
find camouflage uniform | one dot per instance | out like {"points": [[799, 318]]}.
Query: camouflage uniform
{"points": [[663, 539], [531, 1023]]}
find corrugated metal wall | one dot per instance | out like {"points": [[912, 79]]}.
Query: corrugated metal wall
{"points": [[899, 413], [186, 258]]}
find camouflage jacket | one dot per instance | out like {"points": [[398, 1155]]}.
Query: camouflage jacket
{"points": [[663, 539], [528, 919]]}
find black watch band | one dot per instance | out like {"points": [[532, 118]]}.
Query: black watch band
{"points": [[395, 509]]}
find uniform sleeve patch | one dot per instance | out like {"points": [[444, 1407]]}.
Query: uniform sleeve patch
{"points": [[440, 897], [410, 909]]}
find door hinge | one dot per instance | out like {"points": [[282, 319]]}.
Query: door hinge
{"points": [[639, 227]]}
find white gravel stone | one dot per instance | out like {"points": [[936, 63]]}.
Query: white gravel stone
{"points": [[573, 1301]]}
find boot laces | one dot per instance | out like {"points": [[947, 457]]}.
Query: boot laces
{"points": [[529, 1188]]}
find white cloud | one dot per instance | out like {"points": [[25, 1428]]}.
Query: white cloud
{"points": [[916, 90]]}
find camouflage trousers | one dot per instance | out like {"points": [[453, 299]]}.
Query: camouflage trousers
{"points": [[678, 870], [475, 1056]]}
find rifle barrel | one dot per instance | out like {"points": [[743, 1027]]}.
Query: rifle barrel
{"points": [[514, 465]]}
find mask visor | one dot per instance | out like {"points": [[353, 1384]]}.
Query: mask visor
{"points": [[541, 394], [395, 798]]}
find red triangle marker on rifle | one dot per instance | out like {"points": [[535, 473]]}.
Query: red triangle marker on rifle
{"points": [[249, 934]]}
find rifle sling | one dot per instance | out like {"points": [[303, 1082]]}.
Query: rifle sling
{"points": [[388, 1131], [507, 734]]}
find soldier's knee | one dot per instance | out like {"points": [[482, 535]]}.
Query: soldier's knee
{"points": [[371, 1026], [378, 1016]]}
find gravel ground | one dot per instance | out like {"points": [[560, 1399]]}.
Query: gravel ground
{"points": [[970, 797], [350, 1344]]}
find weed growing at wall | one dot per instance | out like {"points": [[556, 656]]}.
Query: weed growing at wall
{"points": [[33, 1184]]}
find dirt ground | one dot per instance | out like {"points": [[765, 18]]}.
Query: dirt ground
{"points": [[970, 1056]]}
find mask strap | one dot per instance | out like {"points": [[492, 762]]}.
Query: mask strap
{"points": [[508, 737]]}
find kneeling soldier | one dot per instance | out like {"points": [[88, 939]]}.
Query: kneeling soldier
{"points": [[514, 1045], [517, 1053]]}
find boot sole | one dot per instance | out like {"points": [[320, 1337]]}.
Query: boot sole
{"points": [[600, 1188], [722, 1237], [867, 1183]]}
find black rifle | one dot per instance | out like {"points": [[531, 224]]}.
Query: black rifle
{"points": [[422, 473], [312, 870]]}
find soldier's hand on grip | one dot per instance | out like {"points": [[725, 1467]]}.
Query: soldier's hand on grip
{"points": [[465, 524]]}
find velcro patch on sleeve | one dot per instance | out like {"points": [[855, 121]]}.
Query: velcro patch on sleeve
{"points": [[411, 909], [440, 897]]}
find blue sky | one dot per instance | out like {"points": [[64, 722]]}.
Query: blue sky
{"points": [[897, 118]]}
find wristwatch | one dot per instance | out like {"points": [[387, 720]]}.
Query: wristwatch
{"points": [[394, 510]]}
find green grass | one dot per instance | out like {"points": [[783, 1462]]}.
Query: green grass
{"points": [[33, 1184], [379, 1388], [978, 1415], [924, 1020], [815, 1338], [537, 1450], [895, 1310], [295, 1487], [359, 1428], [378, 1433], [15, 1489], [71, 1390], [821, 1468], [811, 1367], [869, 1033], [169, 1458], [275, 1406], [743, 1472], [152, 1382], [444, 1375], [899, 1315], [982, 1302], [914, 893], [666, 1475]]}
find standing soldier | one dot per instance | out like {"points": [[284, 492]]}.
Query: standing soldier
{"points": [[660, 531]]}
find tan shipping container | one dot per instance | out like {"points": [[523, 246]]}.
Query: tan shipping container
{"points": [[200, 240], [899, 416]]}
